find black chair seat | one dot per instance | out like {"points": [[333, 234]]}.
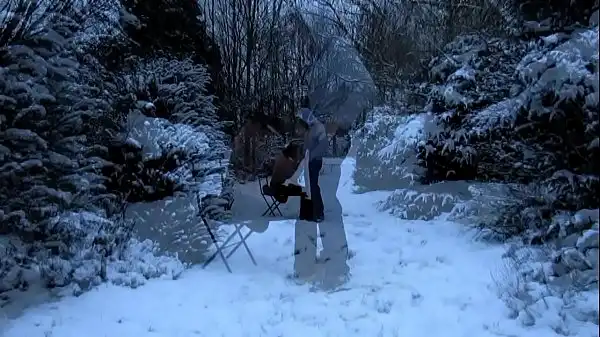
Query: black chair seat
{"points": [[267, 190]]}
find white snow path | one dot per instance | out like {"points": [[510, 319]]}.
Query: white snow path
{"points": [[410, 278]]}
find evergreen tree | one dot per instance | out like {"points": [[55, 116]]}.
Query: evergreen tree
{"points": [[48, 168]]}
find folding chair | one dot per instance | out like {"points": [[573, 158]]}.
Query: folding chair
{"points": [[227, 243], [265, 191]]}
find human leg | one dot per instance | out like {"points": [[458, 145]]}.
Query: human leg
{"points": [[293, 190], [333, 235], [279, 192], [314, 167], [335, 243], [305, 247]]}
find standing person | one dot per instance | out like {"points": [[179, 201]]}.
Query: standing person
{"points": [[333, 260], [316, 145]]}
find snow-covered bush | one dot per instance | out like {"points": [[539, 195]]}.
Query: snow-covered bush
{"points": [[173, 221], [555, 284], [141, 261], [177, 90], [502, 211], [425, 202], [61, 123], [473, 78], [174, 128], [386, 144], [518, 120], [160, 75], [100, 250], [95, 241], [540, 130], [164, 65], [180, 117], [387, 160], [205, 186]]}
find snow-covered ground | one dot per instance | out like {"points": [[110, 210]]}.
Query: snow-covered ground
{"points": [[409, 278]]}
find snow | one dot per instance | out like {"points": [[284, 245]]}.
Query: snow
{"points": [[466, 72], [584, 215], [409, 278], [156, 134], [564, 68], [408, 133], [499, 113]]}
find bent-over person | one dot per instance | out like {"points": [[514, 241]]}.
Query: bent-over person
{"points": [[286, 164]]}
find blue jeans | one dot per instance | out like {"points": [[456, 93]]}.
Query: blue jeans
{"points": [[314, 167]]}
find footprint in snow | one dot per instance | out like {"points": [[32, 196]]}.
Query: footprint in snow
{"points": [[402, 263], [415, 298], [384, 306], [441, 259]]}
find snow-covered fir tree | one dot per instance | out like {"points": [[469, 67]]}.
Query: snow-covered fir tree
{"points": [[82, 139], [519, 109]]}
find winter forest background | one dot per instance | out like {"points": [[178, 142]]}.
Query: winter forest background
{"points": [[106, 105]]}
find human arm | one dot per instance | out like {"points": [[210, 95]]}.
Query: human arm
{"points": [[296, 176], [306, 175]]}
